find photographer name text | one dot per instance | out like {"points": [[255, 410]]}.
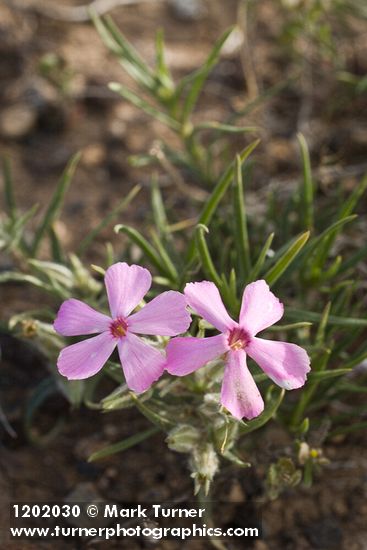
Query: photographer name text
{"points": [[155, 510]]}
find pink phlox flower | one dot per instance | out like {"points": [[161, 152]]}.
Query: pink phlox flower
{"points": [[286, 364], [126, 285]]}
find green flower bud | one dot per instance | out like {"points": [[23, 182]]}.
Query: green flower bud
{"points": [[183, 438], [204, 466]]}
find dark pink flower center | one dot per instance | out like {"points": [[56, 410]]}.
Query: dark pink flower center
{"points": [[118, 327], [238, 338]]}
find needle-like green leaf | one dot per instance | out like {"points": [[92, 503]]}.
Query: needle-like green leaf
{"points": [[205, 258], [286, 259], [124, 444], [149, 251], [201, 75], [308, 186], [8, 189], [272, 405], [261, 259], [142, 104], [314, 317], [240, 218], [120, 207], [56, 204], [217, 194]]}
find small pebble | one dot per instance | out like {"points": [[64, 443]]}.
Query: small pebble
{"points": [[17, 121], [94, 154], [187, 10]]}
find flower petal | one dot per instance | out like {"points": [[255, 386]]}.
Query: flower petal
{"points": [[260, 308], [75, 317], [126, 286], [286, 364], [142, 364], [185, 355], [239, 392], [166, 315], [205, 299], [86, 358]]}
